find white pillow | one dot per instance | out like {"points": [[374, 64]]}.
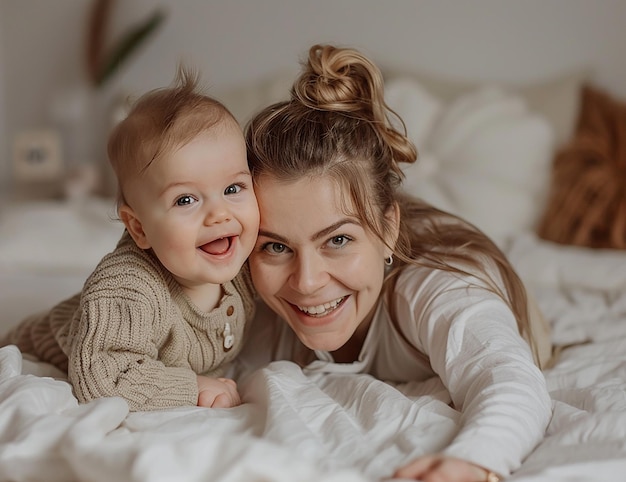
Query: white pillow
{"points": [[248, 99], [484, 156], [556, 98], [416, 106]]}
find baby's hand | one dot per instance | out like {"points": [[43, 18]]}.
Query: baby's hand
{"points": [[217, 392]]}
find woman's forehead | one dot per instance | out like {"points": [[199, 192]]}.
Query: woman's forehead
{"points": [[316, 190], [307, 203]]}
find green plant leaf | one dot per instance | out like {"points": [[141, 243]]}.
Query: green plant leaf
{"points": [[128, 44]]}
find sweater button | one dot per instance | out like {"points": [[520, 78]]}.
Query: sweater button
{"points": [[230, 310]]}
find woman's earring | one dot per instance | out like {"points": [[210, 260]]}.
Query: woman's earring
{"points": [[389, 260]]}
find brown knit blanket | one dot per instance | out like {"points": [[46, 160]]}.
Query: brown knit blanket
{"points": [[587, 200]]}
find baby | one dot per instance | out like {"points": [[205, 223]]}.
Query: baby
{"points": [[162, 314]]}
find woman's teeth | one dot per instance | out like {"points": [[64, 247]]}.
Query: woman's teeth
{"points": [[321, 310]]}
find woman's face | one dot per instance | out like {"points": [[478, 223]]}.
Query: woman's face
{"points": [[318, 268]]}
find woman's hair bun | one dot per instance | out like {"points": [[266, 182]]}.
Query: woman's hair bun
{"points": [[338, 79]]}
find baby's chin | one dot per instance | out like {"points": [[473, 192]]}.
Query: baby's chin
{"points": [[223, 277], [209, 277]]}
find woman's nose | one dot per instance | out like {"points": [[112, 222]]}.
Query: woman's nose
{"points": [[309, 274]]}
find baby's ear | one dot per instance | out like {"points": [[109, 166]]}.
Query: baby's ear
{"points": [[133, 226]]}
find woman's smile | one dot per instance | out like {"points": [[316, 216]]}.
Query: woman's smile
{"points": [[323, 309]]}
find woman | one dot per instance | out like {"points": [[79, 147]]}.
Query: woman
{"points": [[367, 276]]}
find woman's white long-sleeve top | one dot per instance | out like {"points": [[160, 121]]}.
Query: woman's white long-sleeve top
{"points": [[453, 326]]}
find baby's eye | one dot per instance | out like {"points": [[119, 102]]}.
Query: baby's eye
{"points": [[233, 189], [339, 241], [274, 248], [185, 200]]}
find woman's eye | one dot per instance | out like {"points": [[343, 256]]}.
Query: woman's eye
{"points": [[338, 241], [232, 189], [274, 248], [185, 200]]}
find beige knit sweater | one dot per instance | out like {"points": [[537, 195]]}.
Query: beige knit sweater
{"points": [[132, 332]]}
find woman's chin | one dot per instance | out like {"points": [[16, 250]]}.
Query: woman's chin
{"points": [[328, 342]]}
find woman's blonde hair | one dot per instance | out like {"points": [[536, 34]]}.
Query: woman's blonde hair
{"points": [[159, 122], [337, 123]]}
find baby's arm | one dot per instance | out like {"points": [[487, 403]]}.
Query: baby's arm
{"points": [[112, 352], [217, 392]]}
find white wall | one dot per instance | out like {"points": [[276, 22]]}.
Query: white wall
{"points": [[237, 41], [41, 46], [3, 128]]}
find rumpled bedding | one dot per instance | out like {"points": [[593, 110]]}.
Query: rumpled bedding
{"points": [[298, 426]]}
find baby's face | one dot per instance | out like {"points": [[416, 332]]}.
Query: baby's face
{"points": [[197, 208]]}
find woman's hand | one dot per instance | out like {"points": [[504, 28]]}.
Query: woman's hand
{"points": [[439, 468], [217, 392]]}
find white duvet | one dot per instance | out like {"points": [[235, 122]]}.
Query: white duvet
{"points": [[298, 427]]}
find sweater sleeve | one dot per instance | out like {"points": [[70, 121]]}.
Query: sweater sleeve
{"points": [[113, 353], [472, 341], [112, 343]]}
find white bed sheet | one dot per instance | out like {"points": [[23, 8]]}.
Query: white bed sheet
{"points": [[294, 426]]}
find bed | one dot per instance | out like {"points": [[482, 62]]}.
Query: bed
{"points": [[486, 153]]}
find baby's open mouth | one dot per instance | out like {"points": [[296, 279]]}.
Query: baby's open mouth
{"points": [[219, 246]]}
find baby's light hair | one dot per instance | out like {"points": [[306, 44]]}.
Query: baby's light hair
{"points": [[160, 122]]}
